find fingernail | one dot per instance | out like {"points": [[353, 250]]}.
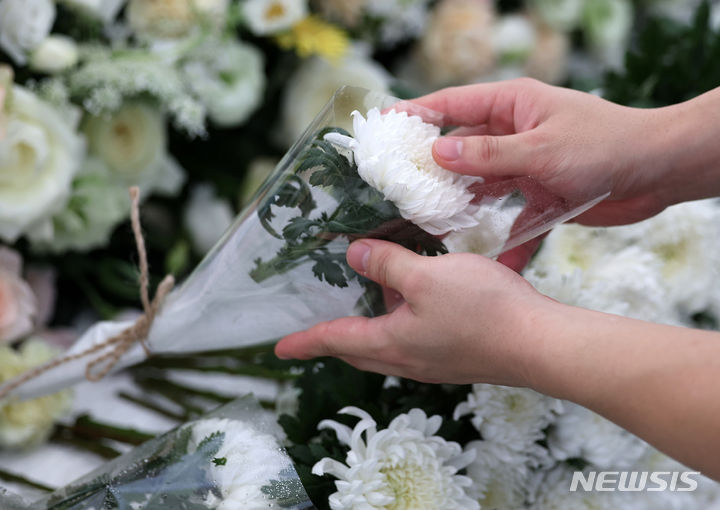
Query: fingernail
{"points": [[358, 255], [448, 148]]}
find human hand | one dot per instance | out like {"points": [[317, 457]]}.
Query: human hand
{"points": [[576, 145], [464, 319]]}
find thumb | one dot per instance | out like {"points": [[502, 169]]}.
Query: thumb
{"points": [[386, 263], [497, 156]]}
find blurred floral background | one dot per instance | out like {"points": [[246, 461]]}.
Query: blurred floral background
{"points": [[195, 101]]}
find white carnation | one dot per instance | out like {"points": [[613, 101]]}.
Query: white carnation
{"points": [[404, 467], [133, 143], [249, 460], [393, 152], [272, 16], [315, 82], [39, 157], [513, 417], [24, 24], [229, 78], [206, 217], [581, 433]]}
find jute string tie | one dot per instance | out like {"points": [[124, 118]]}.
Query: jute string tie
{"points": [[119, 344]]}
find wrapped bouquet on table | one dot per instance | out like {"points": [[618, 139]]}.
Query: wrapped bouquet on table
{"points": [[281, 267]]}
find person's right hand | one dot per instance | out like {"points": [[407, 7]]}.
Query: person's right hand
{"points": [[577, 145]]}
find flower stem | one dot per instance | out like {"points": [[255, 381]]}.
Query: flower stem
{"points": [[7, 476]]}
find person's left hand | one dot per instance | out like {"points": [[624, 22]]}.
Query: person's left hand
{"points": [[465, 319]]}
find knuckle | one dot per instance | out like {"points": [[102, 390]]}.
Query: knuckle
{"points": [[526, 82], [415, 279], [380, 265], [486, 149]]}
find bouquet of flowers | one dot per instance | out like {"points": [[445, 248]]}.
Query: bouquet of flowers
{"points": [[281, 267]]}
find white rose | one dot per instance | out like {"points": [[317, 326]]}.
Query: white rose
{"points": [[272, 16], [106, 10], [56, 53], [97, 205], [315, 82], [171, 19], [229, 78], [132, 142], [39, 157], [18, 305], [24, 24], [207, 217]]}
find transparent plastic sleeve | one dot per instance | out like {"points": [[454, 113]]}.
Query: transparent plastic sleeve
{"points": [[229, 459], [281, 267]]}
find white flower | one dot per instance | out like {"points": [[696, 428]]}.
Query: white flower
{"points": [[581, 433], [315, 82], [229, 78], [272, 16], [287, 400], [98, 203], [457, 47], [28, 423], [401, 19], [171, 19], [513, 417], [24, 24], [393, 152], [206, 217], [132, 142], [500, 475], [403, 467], [39, 157], [55, 54], [247, 460], [496, 218], [559, 14], [554, 494], [608, 24], [107, 80], [18, 305], [106, 10], [514, 37]]}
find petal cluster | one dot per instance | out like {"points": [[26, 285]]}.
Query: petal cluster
{"points": [[393, 152], [403, 467]]}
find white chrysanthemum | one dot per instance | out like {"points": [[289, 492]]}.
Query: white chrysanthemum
{"points": [[496, 218], [24, 24], [403, 467], [554, 494], [400, 19], [39, 157], [272, 16], [500, 475], [229, 78], [105, 81], [246, 462], [28, 423], [513, 417], [581, 433], [206, 217], [315, 82], [133, 143], [98, 203], [393, 152]]}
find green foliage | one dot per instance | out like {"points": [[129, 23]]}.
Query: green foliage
{"points": [[670, 63], [362, 211]]}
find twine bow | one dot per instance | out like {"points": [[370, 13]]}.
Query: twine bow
{"points": [[119, 344]]}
